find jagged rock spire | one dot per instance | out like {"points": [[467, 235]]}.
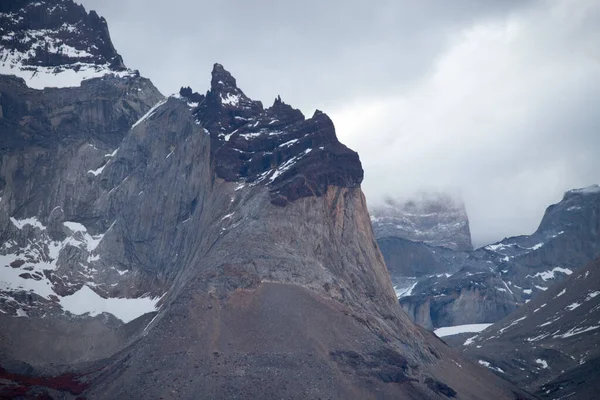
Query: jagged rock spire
{"points": [[222, 79], [277, 146]]}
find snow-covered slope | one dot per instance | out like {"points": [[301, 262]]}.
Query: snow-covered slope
{"points": [[37, 277], [55, 44], [547, 344]]}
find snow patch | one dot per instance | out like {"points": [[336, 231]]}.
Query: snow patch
{"points": [[513, 323], [86, 301], [404, 292], [470, 340], [114, 153], [454, 330], [75, 226], [32, 221], [150, 113], [230, 99], [490, 366], [98, 171], [288, 143], [576, 331], [45, 77], [498, 246], [538, 309], [546, 275], [227, 216], [543, 363], [591, 295]]}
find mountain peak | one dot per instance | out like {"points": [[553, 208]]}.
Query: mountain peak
{"points": [[577, 208], [55, 43], [592, 189], [277, 146], [222, 79]]}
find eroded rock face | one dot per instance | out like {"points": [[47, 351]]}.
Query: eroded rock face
{"points": [[54, 207]]}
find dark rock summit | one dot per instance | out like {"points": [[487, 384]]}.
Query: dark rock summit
{"points": [[295, 157]]}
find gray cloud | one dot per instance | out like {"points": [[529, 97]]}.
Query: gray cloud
{"points": [[492, 99], [315, 53]]}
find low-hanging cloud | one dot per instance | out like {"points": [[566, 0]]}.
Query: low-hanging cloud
{"points": [[493, 100], [507, 117]]}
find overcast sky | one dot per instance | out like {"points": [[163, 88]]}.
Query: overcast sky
{"points": [[494, 100]]}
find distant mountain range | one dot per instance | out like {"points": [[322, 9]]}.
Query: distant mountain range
{"points": [[439, 287]]}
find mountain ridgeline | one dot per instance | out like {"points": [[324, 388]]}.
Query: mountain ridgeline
{"points": [[193, 246], [440, 287]]}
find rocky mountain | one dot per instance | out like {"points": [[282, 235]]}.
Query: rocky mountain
{"points": [[198, 245], [435, 219], [439, 287], [55, 43], [551, 345]]}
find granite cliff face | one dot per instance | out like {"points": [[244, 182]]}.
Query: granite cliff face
{"points": [[440, 287], [435, 219], [195, 245]]}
